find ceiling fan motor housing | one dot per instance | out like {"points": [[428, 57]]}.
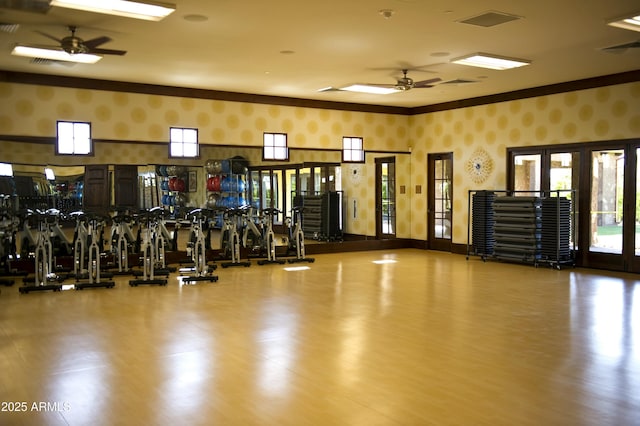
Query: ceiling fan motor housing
{"points": [[73, 45]]}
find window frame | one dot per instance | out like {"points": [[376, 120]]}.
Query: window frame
{"points": [[182, 142], [73, 142], [349, 151], [274, 147]]}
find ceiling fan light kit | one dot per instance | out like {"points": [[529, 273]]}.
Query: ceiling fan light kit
{"points": [[146, 10], [46, 52], [490, 61]]}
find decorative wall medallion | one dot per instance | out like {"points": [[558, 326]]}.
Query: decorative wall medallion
{"points": [[355, 172], [479, 166]]}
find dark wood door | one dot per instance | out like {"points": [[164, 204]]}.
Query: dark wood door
{"points": [[125, 186], [96, 193]]}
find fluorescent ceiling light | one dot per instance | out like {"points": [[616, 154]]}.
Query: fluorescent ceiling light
{"points": [[485, 60], [147, 10], [627, 22], [376, 90], [54, 54]]}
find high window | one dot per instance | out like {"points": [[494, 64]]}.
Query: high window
{"points": [[275, 146], [73, 138], [352, 149], [183, 142]]}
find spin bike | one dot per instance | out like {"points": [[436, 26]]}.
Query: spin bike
{"points": [[197, 248], [230, 239], [296, 236], [122, 239], [269, 237], [150, 251], [44, 271], [93, 275], [9, 226]]}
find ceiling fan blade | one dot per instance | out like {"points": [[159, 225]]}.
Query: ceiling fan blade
{"points": [[49, 36], [95, 42], [425, 83], [622, 47], [107, 52]]}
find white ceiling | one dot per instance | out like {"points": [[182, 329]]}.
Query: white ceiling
{"points": [[292, 48]]}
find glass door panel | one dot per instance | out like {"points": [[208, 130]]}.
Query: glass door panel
{"points": [[527, 172], [385, 198], [442, 198], [606, 207], [636, 222]]}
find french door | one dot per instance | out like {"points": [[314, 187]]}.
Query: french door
{"points": [[440, 200], [385, 198], [605, 178], [614, 209]]}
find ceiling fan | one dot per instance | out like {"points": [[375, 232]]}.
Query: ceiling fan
{"points": [[402, 84], [407, 83], [75, 45]]}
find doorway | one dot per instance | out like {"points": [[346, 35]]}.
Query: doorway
{"points": [[385, 198], [439, 208]]}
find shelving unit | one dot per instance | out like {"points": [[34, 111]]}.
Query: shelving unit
{"points": [[522, 226], [226, 185], [481, 210], [322, 218], [517, 228]]}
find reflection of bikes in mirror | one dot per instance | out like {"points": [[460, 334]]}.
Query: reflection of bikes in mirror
{"points": [[230, 238], [296, 236], [269, 237]]}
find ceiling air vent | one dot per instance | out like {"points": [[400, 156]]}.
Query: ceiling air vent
{"points": [[490, 19]]}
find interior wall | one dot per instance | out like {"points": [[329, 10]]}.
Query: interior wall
{"points": [[479, 133], [485, 132]]}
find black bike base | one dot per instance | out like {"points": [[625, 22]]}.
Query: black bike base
{"points": [[105, 284], [159, 271], [210, 278], [155, 281], [301, 259], [46, 287], [271, 262], [125, 272], [85, 275], [246, 264]]}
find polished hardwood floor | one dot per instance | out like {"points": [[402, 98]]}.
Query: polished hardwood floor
{"points": [[427, 338]]}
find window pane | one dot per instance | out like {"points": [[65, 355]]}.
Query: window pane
{"points": [[527, 172], [268, 152], [175, 135], [607, 178], [82, 146], [190, 136], [176, 150], [281, 153], [190, 150]]}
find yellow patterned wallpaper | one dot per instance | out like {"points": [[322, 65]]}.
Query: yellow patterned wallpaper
{"points": [[606, 113]]}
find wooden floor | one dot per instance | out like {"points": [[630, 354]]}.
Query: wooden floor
{"points": [[432, 339]]}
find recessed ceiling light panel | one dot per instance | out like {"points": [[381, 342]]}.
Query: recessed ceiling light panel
{"points": [[375, 90], [631, 22], [494, 62], [147, 10], [54, 54]]}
